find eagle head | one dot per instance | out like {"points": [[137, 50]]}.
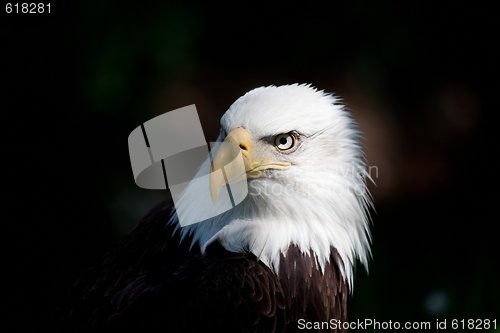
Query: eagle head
{"points": [[306, 179]]}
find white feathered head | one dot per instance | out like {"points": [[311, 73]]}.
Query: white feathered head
{"points": [[306, 179]]}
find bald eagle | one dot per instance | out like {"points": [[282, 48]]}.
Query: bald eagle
{"points": [[280, 259]]}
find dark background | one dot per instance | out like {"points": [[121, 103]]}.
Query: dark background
{"points": [[420, 78]]}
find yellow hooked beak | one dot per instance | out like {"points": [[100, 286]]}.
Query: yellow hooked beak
{"points": [[224, 159]]}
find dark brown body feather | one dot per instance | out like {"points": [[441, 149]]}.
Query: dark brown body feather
{"points": [[150, 283]]}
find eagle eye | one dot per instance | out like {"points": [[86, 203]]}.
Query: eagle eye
{"points": [[285, 141]]}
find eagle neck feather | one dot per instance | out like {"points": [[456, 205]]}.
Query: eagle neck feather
{"points": [[268, 232]]}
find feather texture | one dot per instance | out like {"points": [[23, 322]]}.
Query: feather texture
{"points": [[284, 254], [151, 291]]}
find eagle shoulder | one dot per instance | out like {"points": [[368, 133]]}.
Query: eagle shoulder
{"points": [[152, 282]]}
